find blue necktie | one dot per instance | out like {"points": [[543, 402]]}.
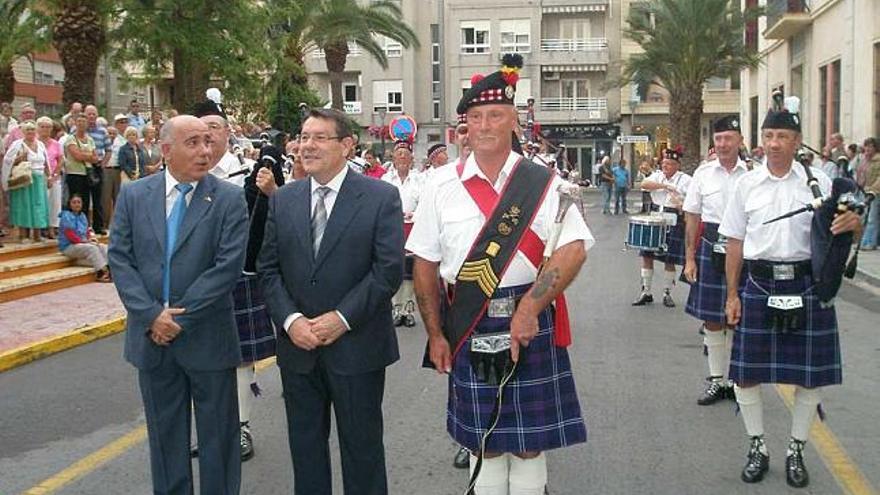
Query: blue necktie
{"points": [[172, 225]]}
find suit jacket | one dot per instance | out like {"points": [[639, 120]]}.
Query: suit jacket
{"points": [[205, 265], [358, 269]]}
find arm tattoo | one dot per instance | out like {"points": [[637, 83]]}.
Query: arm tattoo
{"points": [[545, 283]]}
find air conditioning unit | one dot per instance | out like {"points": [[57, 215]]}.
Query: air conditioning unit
{"points": [[551, 76]]}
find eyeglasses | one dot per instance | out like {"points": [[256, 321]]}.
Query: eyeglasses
{"points": [[318, 138]]}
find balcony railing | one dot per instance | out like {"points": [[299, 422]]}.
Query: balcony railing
{"points": [[353, 51], [568, 104], [786, 18], [574, 45]]}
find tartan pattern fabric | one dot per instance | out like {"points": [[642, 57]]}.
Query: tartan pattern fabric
{"points": [[809, 357], [674, 246], [256, 333], [709, 293], [491, 95], [540, 409]]}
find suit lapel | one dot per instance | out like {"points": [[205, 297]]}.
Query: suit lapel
{"points": [[156, 209], [344, 208], [201, 202]]}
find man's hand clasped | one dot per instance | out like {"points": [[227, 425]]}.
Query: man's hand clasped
{"points": [[164, 329], [311, 333]]}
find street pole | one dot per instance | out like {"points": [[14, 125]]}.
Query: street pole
{"points": [[382, 112]]}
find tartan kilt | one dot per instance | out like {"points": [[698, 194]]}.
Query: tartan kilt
{"points": [[256, 333], [674, 252], [708, 294], [540, 409], [809, 357]]}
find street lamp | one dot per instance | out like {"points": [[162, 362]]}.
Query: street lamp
{"points": [[382, 112]]}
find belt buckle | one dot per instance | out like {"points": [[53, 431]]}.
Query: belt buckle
{"points": [[783, 272], [502, 307], [492, 343]]}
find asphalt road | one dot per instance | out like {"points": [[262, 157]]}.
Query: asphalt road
{"points": [[638, 372]]}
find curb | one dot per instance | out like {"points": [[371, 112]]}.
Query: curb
{"points": [[45, 348], [868, 278]]}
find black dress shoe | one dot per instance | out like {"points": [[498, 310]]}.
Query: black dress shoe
{"points": [[667, 299], [729, 392], [758, 462], [462, 458], [714, 392], [795, 472], [644, 298], [409, 320], [194, 450], [247, 443]]}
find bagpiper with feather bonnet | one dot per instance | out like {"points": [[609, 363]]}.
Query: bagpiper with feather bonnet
{"points": [[503, 235], [785, 331]]}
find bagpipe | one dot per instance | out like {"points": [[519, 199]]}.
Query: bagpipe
{"points": [[830, 259]]}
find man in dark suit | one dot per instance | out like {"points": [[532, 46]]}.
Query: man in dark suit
{"points": [[332, 258], [176, 249]]}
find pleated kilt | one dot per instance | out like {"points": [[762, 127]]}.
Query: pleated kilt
{"points": [[809, 357], [540, 409], [708, 294], [674, 252], [256, 334]]}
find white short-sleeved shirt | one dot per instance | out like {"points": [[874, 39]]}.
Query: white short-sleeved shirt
{"points": [[710, 189], [447, 222], [409, 189], [680, 180], [759, 196], [227, 165]]}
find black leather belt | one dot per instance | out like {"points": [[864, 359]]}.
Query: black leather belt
{"points": [[773, 270], [710, 232]]}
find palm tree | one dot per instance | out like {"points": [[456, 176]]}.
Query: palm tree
{"points": [[685, 43], [80, 36], [334, 23], [22, 31]]}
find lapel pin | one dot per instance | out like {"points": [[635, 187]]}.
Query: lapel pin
{"points": [[208, 199]]}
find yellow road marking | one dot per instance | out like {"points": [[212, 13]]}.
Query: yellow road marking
{"points": [[102, 456], [839, 463], [44, 348]]}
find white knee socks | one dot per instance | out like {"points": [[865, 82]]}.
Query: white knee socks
{"points": [[715, 342], [804, 411], [669, 278], [751, 409], [528, 476], [647, 278], [493, 475], [245, 375]]}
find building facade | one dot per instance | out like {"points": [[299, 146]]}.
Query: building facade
{"points": [[568, 46], [827, 52]]}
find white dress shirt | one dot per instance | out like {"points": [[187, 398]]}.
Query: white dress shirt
{"points": [[447, 222], [680, 180], [329, 200], [710, 189], [227, 165], [171, 192], [409, 189], [759, 196]]}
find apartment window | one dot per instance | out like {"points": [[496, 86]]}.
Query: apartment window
{"points": [[752, 28], [392, 48], [435, 61], [465, 85], [43, 78], [835, 96], [716, 84], [515, 35], [349, 92], [436, 114], [523, 92], [388, 95], [753, 117], [829, 100], [475, 37]]}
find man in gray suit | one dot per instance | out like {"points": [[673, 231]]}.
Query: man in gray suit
{"points": [[332, 257], [176, 249]]}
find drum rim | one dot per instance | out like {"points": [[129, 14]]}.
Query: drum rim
{"points": [[647, 220]]}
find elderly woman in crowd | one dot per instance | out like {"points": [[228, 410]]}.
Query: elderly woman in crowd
{"points": [[152, 150], [55, 159], [131, 157], [78, 242], [28, 208]]}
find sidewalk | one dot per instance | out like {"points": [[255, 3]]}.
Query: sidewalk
{"points": [[44, 324], [869, 267]]}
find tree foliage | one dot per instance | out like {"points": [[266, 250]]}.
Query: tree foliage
{"points": [[22, 31], [194, 42], [685, 43]]}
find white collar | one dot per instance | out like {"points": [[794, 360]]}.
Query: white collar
{"points": [[170, 182], [471, 168], [739, 164], [335, 183], [796, 168]]}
